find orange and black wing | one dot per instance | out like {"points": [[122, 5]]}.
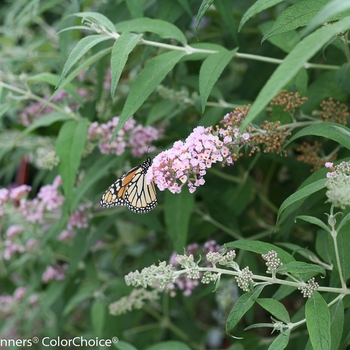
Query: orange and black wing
{"points": [[132, 190]]}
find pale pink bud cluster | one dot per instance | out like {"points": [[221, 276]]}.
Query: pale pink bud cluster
{"points": [[132, 135]]}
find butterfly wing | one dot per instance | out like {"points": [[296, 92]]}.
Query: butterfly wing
{"points": [[131, 190]]}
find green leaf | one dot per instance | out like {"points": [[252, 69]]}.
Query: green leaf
{"points": [[202, 10], [275, 308], [52, 293], [308, 254], [69, 147], [83, 46], [210, 72], [186, 6], [286, 41], [281, 341], [299, 267], [169, 345], [164, 29], [332, 131], [315, 221], [332, 10], [77, 250], [53, 80], [87, 63], [146, 82], [97, 18], [291, 66], [98, 313], [46, 120], [343, 77], [301, 194], [178, 211], [120, 53], [242, 305], [122, 345], [260, 248], [135, 8], [257, 7], [318, 322], [337, 323], [226, 11], [86, 291], [295, 16]]}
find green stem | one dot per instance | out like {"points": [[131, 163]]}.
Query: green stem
{"points": [[30, 96]]}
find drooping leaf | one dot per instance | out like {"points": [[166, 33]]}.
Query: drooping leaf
{"points": [[332, 131], [243, 304], [301, 194], [120, 53], [315, 221], [146, 82], [295, 16], [202, 10], [332, 10], [257, 7], [318, 322], [291, 66], [69, 147], [275, 308], [83, 46], [178, 211], [210, 71]]}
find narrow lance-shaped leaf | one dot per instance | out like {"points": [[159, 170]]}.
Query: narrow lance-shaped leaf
{"points": [[243, 304], [69, 147], [164, 29], [275, 308], [83, 46], [300, 267], [295, 16], [315, 221], [210, 71], [202, 10], [318, 322], [120, 53], [332, 131], [257, 7], [178, 211], [301, 194], [75, 72], [292, 64], [146, 82], [333, 10]]}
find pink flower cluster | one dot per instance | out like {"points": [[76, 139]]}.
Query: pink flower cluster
{"points": [[36, 110], [78, 219], [47, 199], [55, 272], [187, 162], [187, 285], [132, 135], [9, 303]]}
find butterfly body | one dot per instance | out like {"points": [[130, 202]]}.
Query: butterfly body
{"points": [[132, 190]]}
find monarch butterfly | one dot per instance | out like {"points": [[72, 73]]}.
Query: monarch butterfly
{"points": [[132, 191]]}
